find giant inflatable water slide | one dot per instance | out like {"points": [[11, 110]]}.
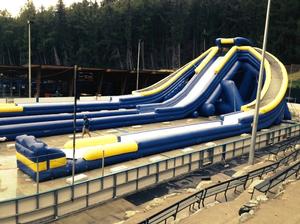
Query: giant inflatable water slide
{"points": [[222, 82]]}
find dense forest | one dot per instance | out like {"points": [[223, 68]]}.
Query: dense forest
{"points": [[106, 33]]}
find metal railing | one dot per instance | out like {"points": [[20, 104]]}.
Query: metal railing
{"points": [[223, 187], [273, 181], [21, 100]]}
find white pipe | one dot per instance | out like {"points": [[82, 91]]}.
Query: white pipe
{"points": [[260, 80], [29, 58], [74, 128], [138, 66]]}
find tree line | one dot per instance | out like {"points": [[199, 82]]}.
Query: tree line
{"points": [[106, 33]]}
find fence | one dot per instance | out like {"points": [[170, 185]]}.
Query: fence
{"points": [[53, 99], [59, 202], [292, 68], [223, 187], [273, 181]]}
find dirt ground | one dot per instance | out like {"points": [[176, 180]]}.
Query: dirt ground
{"points": [[284, 209]]}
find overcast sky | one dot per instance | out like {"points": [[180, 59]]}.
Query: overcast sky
{"points": [[14, 6]]}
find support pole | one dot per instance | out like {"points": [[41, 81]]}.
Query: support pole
{"points": [[38, 82], [260, 79], [38, 183], [29, 58], [138, 66], [74, 127], [38, 176], [103, 155]]}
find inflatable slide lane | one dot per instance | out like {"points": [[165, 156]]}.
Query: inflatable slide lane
{"points": [[158, 92], [228, 89]]}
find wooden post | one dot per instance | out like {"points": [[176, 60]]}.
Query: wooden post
{"points": [[124, 84], [99, 80], [71, 86], [38, 82]]}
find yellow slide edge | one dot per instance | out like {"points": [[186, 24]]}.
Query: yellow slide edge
{"points": [[174, 78], [268, 78], [226, 58], [109, 150], [281, 94], [157, 84], [212, 53], [93, 141]]}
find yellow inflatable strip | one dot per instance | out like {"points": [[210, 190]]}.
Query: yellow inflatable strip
{"points": [[174, 78], [212, 53], [281, 94], [10, 107], [94, 141], [41, 166], [268, 78], [109, 150], [226, 58], [227, 41], [161, 82], [55, 163]]}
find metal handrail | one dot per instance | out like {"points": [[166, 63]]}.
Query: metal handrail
{"points": [[269, 182], [263, 169]]}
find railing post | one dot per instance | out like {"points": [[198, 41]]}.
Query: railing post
{"points": [[37, 183], [17, 211], [114, 185], [137, 178], [175, 215], [103, 155], [157, 173], [55, 204], [245, 184], [190, 162], [87, 194]]}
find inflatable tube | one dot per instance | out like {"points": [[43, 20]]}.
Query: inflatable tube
{"points": [[10, 108], [110, 150], [93, 141], [238, 41], [231, 99]]}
